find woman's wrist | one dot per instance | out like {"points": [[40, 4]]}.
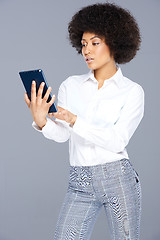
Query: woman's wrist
{"points": [[42, 124], [73, 120]]}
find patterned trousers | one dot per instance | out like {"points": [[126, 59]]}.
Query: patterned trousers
{"points": [[114, 186]]}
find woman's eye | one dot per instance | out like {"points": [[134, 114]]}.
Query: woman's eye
{"points": [[96, 43], [84, 44]]}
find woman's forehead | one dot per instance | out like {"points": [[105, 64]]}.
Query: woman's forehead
{"points": [[90, 36]]}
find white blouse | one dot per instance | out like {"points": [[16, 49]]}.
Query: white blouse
{"points": [[106, 118]]}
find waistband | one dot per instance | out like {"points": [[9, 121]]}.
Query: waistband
{"points": [[106, 167]]}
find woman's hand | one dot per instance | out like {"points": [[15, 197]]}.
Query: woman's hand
{"points": [[65, 115], [38, 105]]}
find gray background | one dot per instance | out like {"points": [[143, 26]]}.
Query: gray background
{"points": [[33, 169]]}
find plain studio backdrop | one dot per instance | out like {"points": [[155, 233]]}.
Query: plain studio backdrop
{"points": [[33, 169]]}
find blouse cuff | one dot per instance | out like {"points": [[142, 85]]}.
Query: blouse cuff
{"points": [[45, 128]]}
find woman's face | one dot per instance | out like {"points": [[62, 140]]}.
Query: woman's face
{"points": [[95, 51]]}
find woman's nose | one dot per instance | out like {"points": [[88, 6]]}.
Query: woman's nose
{"points": [[87, 49]]}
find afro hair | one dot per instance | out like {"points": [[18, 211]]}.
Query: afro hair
{"points": [[117, 25]]}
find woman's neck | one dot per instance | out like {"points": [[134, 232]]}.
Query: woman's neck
{"points": [[105, 72]]}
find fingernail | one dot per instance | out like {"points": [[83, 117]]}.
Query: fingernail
{"points": [[53, 95], [33, 82], [42, 83]]}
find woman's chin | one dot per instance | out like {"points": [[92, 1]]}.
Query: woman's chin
{"points": [[91, 67]]}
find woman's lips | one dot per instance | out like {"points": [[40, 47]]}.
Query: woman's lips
{"points": [[89, 59]]}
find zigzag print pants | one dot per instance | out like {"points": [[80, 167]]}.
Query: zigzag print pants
{"points": [[114, 186]]}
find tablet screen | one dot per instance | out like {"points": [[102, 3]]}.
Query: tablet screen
{"points": [[38, 76]]}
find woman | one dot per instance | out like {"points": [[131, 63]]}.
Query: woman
{"points": [[98, 112]]}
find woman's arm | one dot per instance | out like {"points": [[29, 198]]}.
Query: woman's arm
{"points": [[56, 130], [115, 137]]}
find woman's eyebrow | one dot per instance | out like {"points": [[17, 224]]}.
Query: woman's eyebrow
{"points": [[90, 38]]}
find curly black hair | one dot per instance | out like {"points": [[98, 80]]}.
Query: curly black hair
{"points": [[117, 25]]}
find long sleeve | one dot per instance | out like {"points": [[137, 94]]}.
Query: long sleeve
{"points": [[56, 130], [115, 137]]}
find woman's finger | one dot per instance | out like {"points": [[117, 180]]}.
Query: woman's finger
{"points": [[27, 100], [60, 108], [50, 115], [52, 100], [60, 114], [40, 91], [33, 92], [47, 94], [56, 114]]}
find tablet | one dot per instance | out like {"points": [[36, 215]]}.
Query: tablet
{"points": [[38, 76]]}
